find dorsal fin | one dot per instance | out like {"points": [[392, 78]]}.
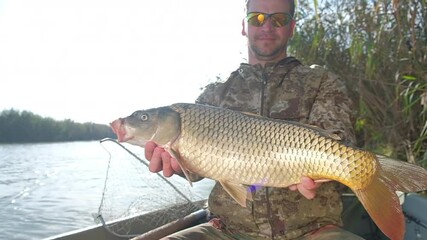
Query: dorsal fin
{"points": [[321, 131], [251, 114]]}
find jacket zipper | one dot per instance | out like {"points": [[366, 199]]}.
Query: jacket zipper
{"points": [[264, 84], [262, 102]]}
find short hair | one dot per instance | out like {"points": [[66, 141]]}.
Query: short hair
{"points": [[291, 2]]}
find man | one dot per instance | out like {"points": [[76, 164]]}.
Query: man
{"points": [[276, 86]]}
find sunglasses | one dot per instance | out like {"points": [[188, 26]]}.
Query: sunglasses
{"points": [[257, 19]]}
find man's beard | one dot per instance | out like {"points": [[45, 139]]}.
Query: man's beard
{"points": [[266, 53]]}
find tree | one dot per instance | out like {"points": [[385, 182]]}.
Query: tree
{"points": [[25, 126]]}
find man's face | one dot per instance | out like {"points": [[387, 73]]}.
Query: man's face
{"points": [[267, 43]]}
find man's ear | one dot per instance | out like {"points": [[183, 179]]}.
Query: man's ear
{"points": [[243, 27], [293, 22]]}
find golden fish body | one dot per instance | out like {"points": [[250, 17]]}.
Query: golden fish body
{"points": [[233, 146], [239, 149]]}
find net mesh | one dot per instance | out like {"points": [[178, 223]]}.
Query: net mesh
{"points": [[132, 191]]}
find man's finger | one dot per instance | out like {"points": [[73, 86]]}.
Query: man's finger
{"points": [[156, 160], [293, 187], [149, 150], [309, 183], [175, 165], [307, 193], [166, 164]]}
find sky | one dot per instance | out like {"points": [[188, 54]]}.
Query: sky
{"points": [[97, 60]]}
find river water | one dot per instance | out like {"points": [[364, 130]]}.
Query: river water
{"points": [[51, 188]]}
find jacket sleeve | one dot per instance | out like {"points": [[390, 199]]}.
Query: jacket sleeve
{"points": [[214, 93], [332, 109], [211, 95]]}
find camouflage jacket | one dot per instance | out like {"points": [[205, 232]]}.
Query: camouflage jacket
{"points": [[285, 90]]}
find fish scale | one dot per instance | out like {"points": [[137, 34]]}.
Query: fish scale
{"points": [[300, 149], [238, 149]]}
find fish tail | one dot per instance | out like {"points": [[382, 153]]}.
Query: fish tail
{"points": [[379, 197], [404, 176]]}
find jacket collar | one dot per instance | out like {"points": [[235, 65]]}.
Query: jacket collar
{"points": [[247, 69]]}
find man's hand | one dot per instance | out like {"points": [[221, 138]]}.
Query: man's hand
{"points": [[307, 187], [161, 160]]}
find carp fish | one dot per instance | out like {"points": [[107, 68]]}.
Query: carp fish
{"points": [[238, 150]]}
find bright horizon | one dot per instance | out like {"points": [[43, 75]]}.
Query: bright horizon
{"points": [[97, 60]]}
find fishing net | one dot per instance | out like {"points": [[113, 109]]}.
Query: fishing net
{"points": [[135, 200]]}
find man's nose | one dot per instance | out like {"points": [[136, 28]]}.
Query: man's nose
{"points": [[268, 25]]}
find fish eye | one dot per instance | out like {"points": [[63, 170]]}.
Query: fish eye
{"points": [[144, 117]]}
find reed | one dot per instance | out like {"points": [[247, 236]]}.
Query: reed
{"points": [[380, 49]]}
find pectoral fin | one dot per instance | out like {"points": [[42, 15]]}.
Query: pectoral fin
{"points": [[179, 160], [237, 191]]}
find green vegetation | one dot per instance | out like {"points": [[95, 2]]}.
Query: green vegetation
{"points": [[19, 127], [380, 49]]}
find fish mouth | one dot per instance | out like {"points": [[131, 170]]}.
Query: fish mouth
{"points": [[119, 129]]}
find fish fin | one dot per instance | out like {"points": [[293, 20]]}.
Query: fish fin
{"points": [[393, 175], [321, 131], [175, 155], [382, 204], [334, 136], [406, 177], [237, 191], [251, 114]]}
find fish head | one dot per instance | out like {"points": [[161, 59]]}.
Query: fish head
{"points": [[160, 125]]}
